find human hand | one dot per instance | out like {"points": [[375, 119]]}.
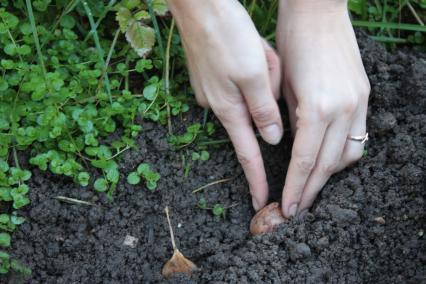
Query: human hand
{"points": [[233, 71], [326, 90]]}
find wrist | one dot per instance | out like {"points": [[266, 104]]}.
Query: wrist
{"points": [[193, 16], [314, 6]]}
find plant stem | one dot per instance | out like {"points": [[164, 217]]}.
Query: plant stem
{"points": [[37, 42], [156, 27], [98, 45], [15, 157], [172, 236], [167, 75]]}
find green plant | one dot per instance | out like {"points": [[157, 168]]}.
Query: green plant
{"points": [[217, 209], [67, 97], [144, 170]]}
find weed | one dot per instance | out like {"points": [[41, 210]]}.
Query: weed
{"points": [[144, 170]]}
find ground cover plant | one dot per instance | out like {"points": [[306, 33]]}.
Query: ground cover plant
{"points": [[79, 80]]}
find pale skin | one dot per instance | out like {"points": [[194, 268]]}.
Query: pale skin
{"points": [[317, 67]]}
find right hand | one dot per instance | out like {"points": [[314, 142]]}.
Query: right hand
{"points": [[236, 73]]}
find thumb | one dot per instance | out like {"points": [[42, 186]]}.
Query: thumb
{"points": [[263, 108]]}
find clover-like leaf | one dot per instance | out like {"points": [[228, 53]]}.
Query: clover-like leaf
{"points": [[140, 37]]}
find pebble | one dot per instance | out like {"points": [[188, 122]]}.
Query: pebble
{"points": [[380, 220], [130, 241], [343, 216], [299, 251]]}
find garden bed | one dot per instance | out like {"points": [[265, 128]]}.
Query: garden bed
{"points": [[366, 226]]}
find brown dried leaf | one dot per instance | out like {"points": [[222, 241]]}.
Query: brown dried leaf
{"points": [[178, 264]]}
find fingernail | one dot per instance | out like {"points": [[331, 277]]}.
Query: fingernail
{"points": [[255, 204], [292, 210], [271, 133]]}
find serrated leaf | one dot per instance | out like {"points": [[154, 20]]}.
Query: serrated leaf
{"points": [[140, 37], [123, 17], [160, 7]]}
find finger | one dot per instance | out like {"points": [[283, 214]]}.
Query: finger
{"points": [[354, 150], [291, 106], [195, 83], [327, 162], [262, 107], [274, 68], [236, 120], [309, 137]]}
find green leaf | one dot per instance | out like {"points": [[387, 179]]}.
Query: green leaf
{"points": [[150, 92], [113, 175], [131, 4], [159, 7], [133, 178], [4, 240], [195, 156], [143, 64], [17, 220], [204, 155], [67, 21], [151, 185], [218, 210], [143, 168], [3, 85], [83, 178], [20, 268], [123, 17], [101, 185], [20, 201], [140, 37], [202, 203]]}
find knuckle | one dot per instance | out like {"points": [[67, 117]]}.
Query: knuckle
{"points": [[305, 164], [350, 104], [250, 73], [247, 159], [223, 113], [328, 167], [263, 114]]}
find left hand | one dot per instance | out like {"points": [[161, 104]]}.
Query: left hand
{"points": [[326, 90]]}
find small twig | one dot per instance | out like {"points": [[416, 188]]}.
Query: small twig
{"points": [[73, 200], [172, 236], [167, 75], [119, 152], [212, 183]]}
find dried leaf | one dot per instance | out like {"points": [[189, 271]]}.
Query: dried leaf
{"points": [[140, 37], [178, 264]]}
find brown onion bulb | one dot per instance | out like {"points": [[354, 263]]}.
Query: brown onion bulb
{"points": [[267, 219]]}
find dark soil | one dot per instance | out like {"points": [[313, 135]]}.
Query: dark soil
{"points": [[340, 241]]}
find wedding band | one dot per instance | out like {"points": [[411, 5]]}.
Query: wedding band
{"points": [[362, 138]]}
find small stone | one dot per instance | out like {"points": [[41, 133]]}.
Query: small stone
{"points": [[343, 216], [299, 251], [380, 220], [130, 241], [323, 242], [420, 233]]}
